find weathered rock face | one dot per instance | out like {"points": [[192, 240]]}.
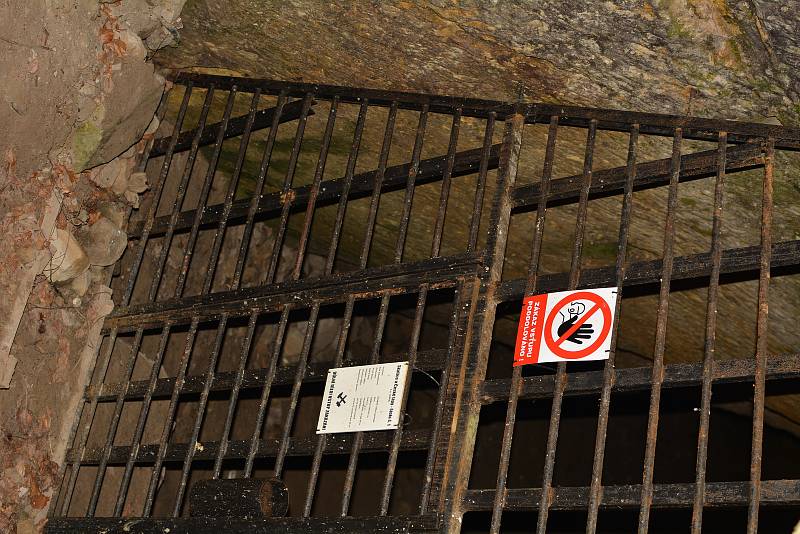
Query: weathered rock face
{"points": [[705, 57]]}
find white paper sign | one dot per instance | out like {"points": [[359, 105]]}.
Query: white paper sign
{"points": [[366, 397]]}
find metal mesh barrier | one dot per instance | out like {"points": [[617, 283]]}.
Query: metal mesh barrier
{"points": [[294, 228]]}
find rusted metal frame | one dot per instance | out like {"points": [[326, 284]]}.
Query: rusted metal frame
{"points": [[439, 437], [413, 171], [384, 306], [171, 411], [266, 159], [463, 408], [413, 440], [361, 185], [264, 118], [111, 431], [709, 346], [561, 369], [436, 272], [670, 496], [735, 260], [609, 374], [608, 119], [762, 325], [219, 234], [530, 287], [660, 340], [780, 368], [650, 174], [394, 449], [444, 195], [235, 525], [480, 187], [188, 252], [427, 360], [348, 312], [286, 197], [265, 391], [471, 107], [198, 420], [112, 336]]}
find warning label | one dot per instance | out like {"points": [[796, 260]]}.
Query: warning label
{"points": [[568, 325], [366, 397]]}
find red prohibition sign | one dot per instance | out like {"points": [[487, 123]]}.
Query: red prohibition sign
{"points": [[555, 344]]}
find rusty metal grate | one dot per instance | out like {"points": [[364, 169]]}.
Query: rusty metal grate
{"points": [[244, 283]]}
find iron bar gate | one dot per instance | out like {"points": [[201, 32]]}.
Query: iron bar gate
{"points": [[256, 266]]}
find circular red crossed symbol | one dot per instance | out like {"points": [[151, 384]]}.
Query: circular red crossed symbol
{"points": [[598, 304]]}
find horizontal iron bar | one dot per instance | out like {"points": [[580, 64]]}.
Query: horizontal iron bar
{"points": [[784, 254], [413, 440], [429, 360], [236, 126], [363, 284], [608, 119], [694, 128], [779, 367], [233, 525], [430, 170], [718, 494], [471, 107], [656, 173]]}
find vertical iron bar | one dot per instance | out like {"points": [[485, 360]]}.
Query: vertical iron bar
{"points": [[384, 307], [661, 337], [530, 287], [142, 420], [286, 194], [312, 196], [710, 338], [595, 490], [201, 408], [561, 369], [176, 207], [413, 171], [258, 191], [445, 193], [265, 391], [348, 312], [321, 439], [111, 432], [311, 326], [348, 181], [154, 286], [481, 186], [219, 236], [398, 434], [173, 407], [203, 199], [762, 326]]}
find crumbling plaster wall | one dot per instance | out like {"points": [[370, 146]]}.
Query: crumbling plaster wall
{"points": [[78, 96]]}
